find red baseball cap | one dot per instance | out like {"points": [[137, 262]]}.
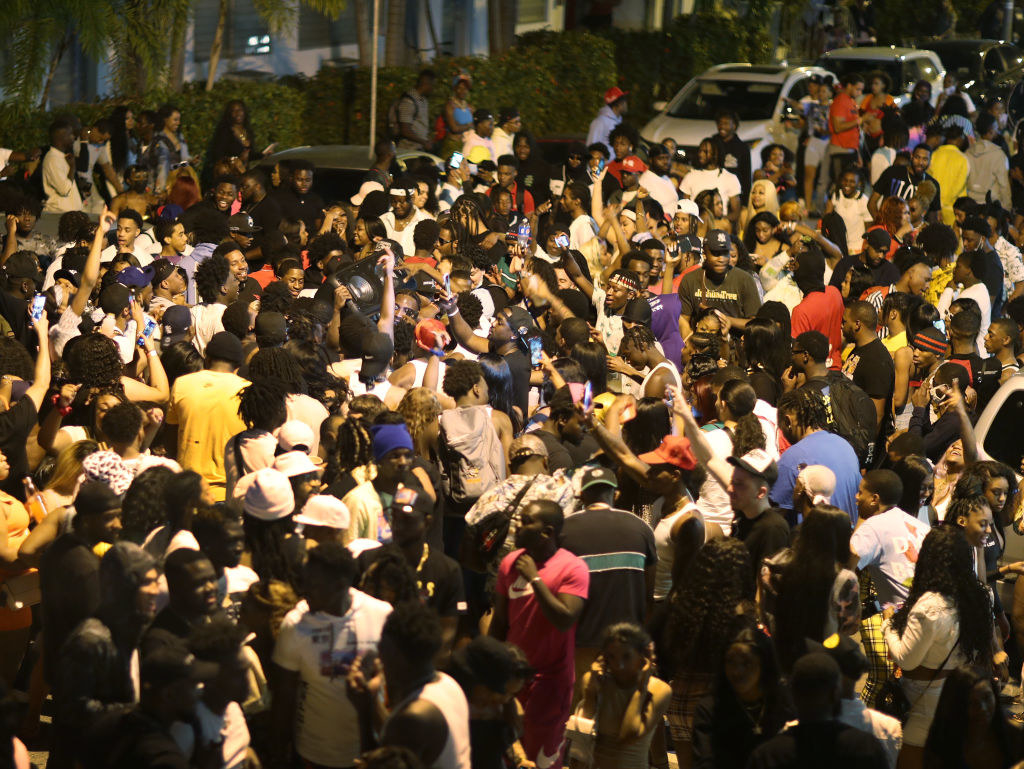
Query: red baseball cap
{"points": [[614, 94], [674, 450], [633, 164]]}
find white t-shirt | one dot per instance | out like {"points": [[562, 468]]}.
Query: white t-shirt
{"points": [[855, 215], [726, 182], [405, 236], [321, 648], [881, 159], [207, 321], [230, 729], [714, 501], [979, 293], [888, 544], [140, 250], [309, 410], [582, 230], [661, 189]]}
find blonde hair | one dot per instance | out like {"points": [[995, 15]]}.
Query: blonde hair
{"points": [[791, 211], [67, 470], [596, 254], [419, 407], [771, 197]]}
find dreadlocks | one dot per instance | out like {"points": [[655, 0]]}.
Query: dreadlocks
{"points": [[641, 337], [261, 405], [807, 407]]}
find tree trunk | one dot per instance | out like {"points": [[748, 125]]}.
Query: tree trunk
{"points": [[54, 63], [493, 27], [363, 31], [394, 42], [176, 74], [218, 39], [509, 13]]}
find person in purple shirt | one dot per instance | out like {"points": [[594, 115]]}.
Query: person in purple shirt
{"points": [[647, 263]]}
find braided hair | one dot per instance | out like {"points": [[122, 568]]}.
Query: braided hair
{"points": [[807, 406], [640, 336], [355, 446], [279, 364], [261, 405]]}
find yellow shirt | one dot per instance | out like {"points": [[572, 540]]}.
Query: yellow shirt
{"points": [[896, 342], [204, 405], [949, 166]]}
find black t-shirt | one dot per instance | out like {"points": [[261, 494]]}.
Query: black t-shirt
{"points": [[885, 274], [15, 426], [734, 155], [827, 743], [15, 311], [69, 578], [519, 365], [617, 547], [559, 457], [439, 579], [309, 207], [142, 741], [764, 536], [434, 535], [984, 374], [992, 277], [581, 452], [871, 368], [265, 214], [900, 182]]}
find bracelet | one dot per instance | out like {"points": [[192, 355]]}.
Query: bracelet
{"points": [[64, 410], [536, 579], [453, 311], [151, 352]]}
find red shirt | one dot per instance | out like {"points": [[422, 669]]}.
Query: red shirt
{"points": [[822, 311], [514, 189], [844, 108]]}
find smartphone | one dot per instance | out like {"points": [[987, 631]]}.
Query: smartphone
{"points": [[448, 284], [456, 160], [669, 400], [38, 304], [147, 331], [600, 165], [562, 240], [588, 395], [524, 235], [536, 348]]}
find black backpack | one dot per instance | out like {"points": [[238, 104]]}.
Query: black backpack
{"points": [[851, 414]]}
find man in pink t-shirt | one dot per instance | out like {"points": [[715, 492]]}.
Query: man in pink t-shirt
{"points": [[539, 596], [821, 309]]}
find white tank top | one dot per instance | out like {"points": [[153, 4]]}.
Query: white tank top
{"points": [[420, 364], [663, 365], [447, 696], [356, 387]]}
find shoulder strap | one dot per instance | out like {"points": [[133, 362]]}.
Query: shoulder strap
{"points": [[239, 462], [517, 500]]}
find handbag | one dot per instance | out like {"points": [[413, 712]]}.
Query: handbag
{"points": [[581, 734], [891, 698], [20, 591]]}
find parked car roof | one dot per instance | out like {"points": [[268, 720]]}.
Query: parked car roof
{"points": [[874, 52]]}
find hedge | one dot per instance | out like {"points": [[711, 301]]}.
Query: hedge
{"points": [[556, 79]]}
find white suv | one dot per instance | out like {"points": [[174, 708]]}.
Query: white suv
{"points": [[757, 92]]}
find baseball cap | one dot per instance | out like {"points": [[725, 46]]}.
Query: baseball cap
{"points": [[690, 243], [175, 324], [526, 446], [270, 329], [716, 241], [613, 94], [163, 269], [266, 494], [633, 164], [638, 310], [596, 476], [325, 510], [172, 662], [295, 434], [408, 500], [294, 463], [243, 224], [482, 114], [377, 352], [71, 276], [930, 339], [674, 450], [688, 207], [520, 320], [21, 265], [225, 346], [425, 331], [758, 463], [365, 189], [878, 239], [95, 497], [136, 277], [845, 651], [507, 113]]}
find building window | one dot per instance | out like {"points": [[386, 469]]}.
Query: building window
{"points": [[532, 12], [245, 33], [319, 31]]}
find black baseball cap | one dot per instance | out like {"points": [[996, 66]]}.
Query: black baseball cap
{"points": [[716, 242]]}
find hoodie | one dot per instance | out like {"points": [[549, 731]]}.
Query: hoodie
{"points": [[601, 126], [989, 173], [96, 679]]}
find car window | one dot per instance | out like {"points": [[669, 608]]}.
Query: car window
{"points": [[993, 63], [1011, 56], [1005, 445], [798, 89], [703, 98]]}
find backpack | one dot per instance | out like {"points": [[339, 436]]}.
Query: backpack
{"points": [[394, 127], [472, 457], [851, 415], [484, 541]]}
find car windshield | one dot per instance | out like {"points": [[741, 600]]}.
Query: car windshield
{"points": [[1002, 444], [704, 98], [893, 69], [961, 61]]}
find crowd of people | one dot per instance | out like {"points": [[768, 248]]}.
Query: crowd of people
{"points": [[512, 464]]}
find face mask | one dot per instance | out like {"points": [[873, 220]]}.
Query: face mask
{"points": [[1002, 120], [58, 294]]}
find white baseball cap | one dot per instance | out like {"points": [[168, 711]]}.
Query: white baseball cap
{"points": [[293, 463], [687, 206], [266, 494], [364, 190], [294, 434], [325, 510]]}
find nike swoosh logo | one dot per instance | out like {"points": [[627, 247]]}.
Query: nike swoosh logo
{"points": [[520, 589]]}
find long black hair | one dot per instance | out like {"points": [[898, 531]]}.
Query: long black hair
{"points": [[498, 376], [944, 748], [739, 397], [802, 603], [945, 565]]}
